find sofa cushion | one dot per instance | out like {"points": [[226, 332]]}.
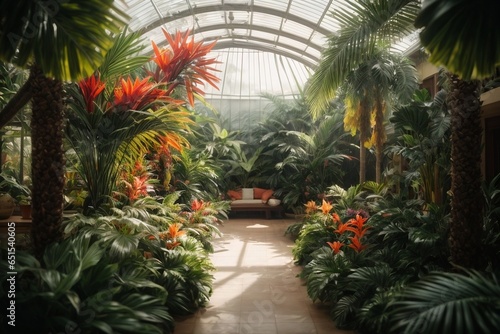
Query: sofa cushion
{"points": [[247, 193], [246, 201], [267, 195], [258, 192], [235, 194]]}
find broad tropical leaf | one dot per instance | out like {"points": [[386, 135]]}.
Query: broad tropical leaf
{"points": [[448, 303], [47, 33], [447, 33]]}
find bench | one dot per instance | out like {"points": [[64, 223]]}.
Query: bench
{"points": [[244, 206], [253, 199]]}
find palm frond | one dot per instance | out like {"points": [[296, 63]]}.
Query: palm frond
{"points": [[448, 303], [364, 24], [446, 29], [123, 57], [324, 275], [61, 46]]}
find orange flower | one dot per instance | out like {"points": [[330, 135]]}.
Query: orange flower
{"points": [[356, 244], [326, 207], [311, 207], [196, 205], [335, 246], [336, 218], [174, 231], [341, 228], [358, 224]]}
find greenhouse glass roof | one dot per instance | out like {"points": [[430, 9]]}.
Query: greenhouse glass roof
{"points": [[264, 46]]}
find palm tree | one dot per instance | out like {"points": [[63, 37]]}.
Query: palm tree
{"points": [[422, 132], [447, 28], [116, 122], [47, 38], [366, 25], [463, 36], [370, 91]]}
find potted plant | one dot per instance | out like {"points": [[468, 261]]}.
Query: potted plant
{"points": [[24, 206]]}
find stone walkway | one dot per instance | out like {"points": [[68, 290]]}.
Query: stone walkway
{"points": [[256, 290]]}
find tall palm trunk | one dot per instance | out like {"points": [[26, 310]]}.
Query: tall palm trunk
{"points": [[379, 132], [364, 131], [47, 127], [467, 200]]}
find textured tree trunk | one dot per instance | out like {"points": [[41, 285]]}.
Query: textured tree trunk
{"points": [[362, 162], [364, 131], [47, 127], [379, 138], [467, 199]]}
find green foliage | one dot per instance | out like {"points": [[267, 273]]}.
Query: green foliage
{"points": [[244, 167], [448, 303], [79, 286], [185, 272], [9, 184], [422, 138], [353, 197], [103, 138], [491, 193], [313, 235], [364, 25], [401, 245], [310, 162], [325, 274], [446, 28], [62, 46], [220, 150], [196, 175], [159, 244], [11, 80]]}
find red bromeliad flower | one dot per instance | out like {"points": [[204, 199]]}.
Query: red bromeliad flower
{"points": [[135, 95], [356, 244], [184, 63], [336, 218], [335, 246], [136, 188], [91, 87]]}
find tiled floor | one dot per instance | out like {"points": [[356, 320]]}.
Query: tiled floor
{"points": [[256, 288]]}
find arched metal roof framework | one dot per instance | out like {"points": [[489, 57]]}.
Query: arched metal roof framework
{"points": [[264, 46]]}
